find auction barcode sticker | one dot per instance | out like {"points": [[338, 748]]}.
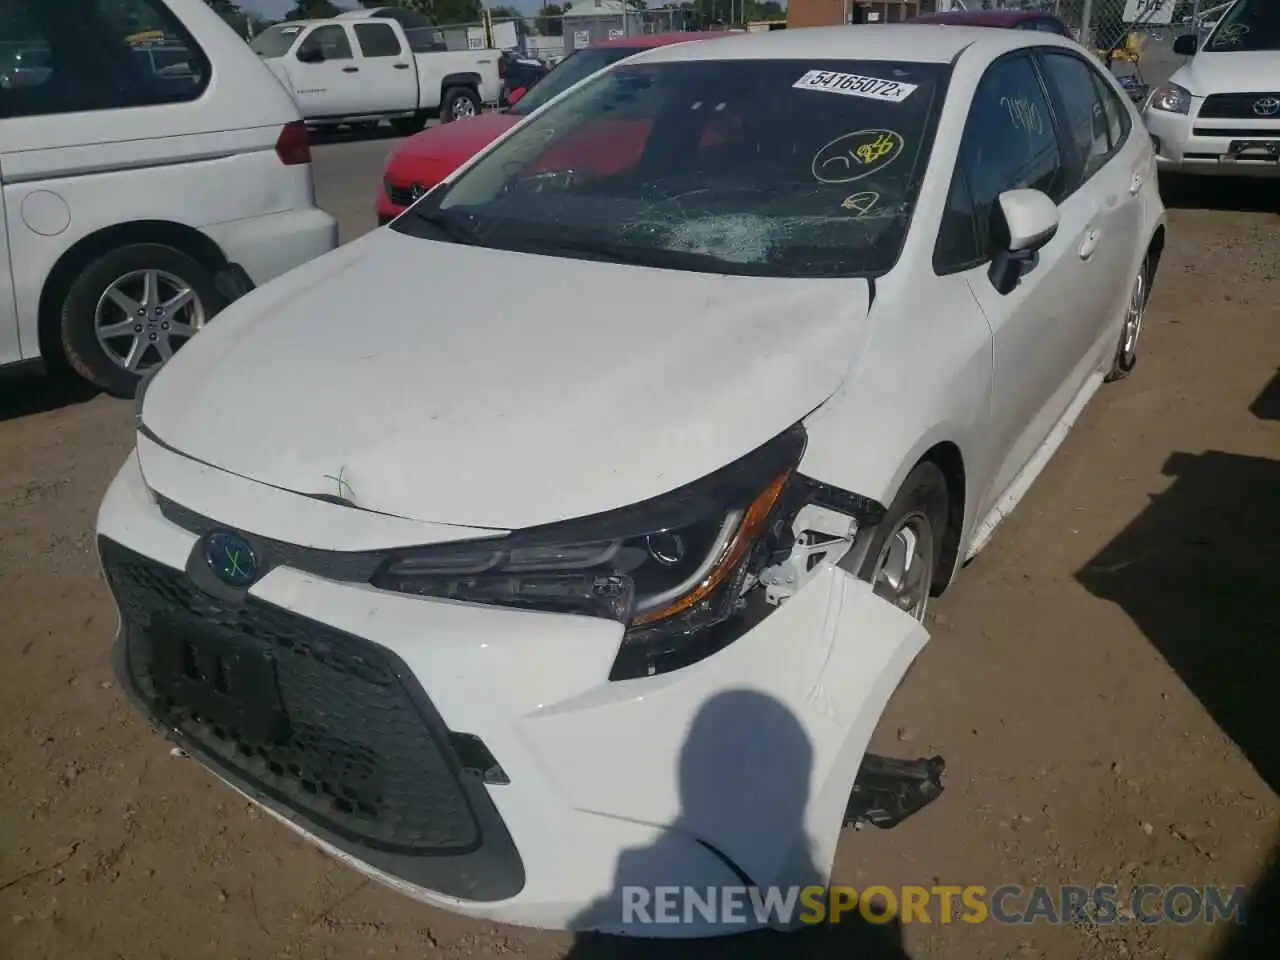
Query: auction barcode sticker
{"points": [[852, 85]]}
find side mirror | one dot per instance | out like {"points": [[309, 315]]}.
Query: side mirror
{"points": [[310, 55], [1186, 45], [515, 96], [1029, 220]]}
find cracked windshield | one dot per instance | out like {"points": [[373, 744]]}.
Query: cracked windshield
{"points": [[769, 168]]}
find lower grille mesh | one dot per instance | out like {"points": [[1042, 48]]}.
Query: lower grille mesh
{"points": [[316, 718]]}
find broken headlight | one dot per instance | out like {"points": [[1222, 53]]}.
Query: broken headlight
{"points": [[669, 568]]}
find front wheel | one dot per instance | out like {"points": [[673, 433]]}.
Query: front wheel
{"points": [[130, 310], [902, 561], [459, 103]]}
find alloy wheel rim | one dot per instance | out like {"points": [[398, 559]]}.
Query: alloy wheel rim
{"points": [[1134, 314], [462, 107], [904, 569], [144, 316]]}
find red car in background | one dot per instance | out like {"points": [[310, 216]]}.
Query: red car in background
{"points": [[426, 158]]}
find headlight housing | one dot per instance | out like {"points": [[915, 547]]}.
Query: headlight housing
{"points": [[1171, 98], [669, 569]]}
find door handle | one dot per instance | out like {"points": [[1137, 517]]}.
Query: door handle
{"points": [[1090, 244], [1136, 184], [350, 69], [402, 66]]}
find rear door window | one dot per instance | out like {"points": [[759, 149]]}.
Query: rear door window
{"points": [[377, 40], [1092, 126]]}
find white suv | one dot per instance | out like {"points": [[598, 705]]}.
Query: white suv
{"points": [[153, 170], [1220, 113]]}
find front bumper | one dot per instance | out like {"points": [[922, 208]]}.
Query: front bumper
{"points": [[385, 210], [739, 766], [1189, 145], [269, 246]]}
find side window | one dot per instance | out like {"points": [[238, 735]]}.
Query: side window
{"points": [[1084, 117], [1118, 121], [1009, 141], [377, 40], [330, 42], [110, 54], [957, 247]]}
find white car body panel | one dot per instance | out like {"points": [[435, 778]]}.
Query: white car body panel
{"points": [[364, 87], [830, 657], [760, 351], [449, 419], [208, 164], [988, 360], [1191, 144]]}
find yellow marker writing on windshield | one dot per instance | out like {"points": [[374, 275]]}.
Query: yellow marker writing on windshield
{"points": [[873, 151]]}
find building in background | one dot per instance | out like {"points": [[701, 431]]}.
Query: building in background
{"points": [[828, 13], [589, 21]]}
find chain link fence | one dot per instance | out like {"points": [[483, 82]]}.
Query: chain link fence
{"points": [[1135, 36], [551, 38]]}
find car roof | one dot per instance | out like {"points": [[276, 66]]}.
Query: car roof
{"points": [[982, 18], [893, 41], [646, 41]]}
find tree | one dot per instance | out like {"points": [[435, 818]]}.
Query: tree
{"points": [[550, 23], [456, 11], [244, 22], [312, 10]]}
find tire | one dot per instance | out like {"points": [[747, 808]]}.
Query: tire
{"points": [[94, 299], [920, 507], [459, 99], [408, 126], [1126, 355]]}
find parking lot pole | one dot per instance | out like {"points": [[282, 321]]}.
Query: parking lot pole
{"points": [[1086, 27]]}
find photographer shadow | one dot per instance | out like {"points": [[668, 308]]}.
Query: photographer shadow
{"points": [[1198, 571], [745, 760]]}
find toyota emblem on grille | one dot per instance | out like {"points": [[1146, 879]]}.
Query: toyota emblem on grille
{"points": [[417, 190], [1267, 106], [230, 558]]}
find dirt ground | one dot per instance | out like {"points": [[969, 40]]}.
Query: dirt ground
{"points": [[1101, 682]]}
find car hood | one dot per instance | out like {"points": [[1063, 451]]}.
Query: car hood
{"points": [[456, 141], [448, 383], [1210, 73]]}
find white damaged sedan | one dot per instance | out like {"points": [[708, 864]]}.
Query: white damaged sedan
{"points": [[572, 532]]}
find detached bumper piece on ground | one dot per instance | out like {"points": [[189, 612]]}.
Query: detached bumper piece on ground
{"points": [[888, 790]]}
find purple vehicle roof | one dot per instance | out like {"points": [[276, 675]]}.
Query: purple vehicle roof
{"points": [[983, 18]]}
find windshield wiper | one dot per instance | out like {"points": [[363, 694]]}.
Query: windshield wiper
{"points": [[657, 257], [451, 227], [593, 249]]}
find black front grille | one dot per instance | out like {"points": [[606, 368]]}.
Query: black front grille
{"points": [[401, 196], [1238, 106], [322, 722], [1242, 132]]}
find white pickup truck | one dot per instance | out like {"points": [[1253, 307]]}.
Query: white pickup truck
{"points": [[364, 66]]}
